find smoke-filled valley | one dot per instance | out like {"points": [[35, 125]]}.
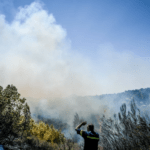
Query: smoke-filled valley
{"points": [[61, 84], [62, 112]]}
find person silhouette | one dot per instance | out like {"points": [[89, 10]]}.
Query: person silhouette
{"points": [[91, 138]]}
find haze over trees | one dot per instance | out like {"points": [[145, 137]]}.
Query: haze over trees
{"points": [[18, 130], [16, 124]]}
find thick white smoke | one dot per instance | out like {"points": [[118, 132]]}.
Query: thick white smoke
{"points": [[35, 57]]}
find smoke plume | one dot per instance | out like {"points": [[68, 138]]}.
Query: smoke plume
{"points": [[36, 57]]}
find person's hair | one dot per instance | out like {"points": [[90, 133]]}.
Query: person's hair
{"points": [[91, 127]]}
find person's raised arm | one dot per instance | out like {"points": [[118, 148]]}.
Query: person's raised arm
{"points": [[83, 123]]}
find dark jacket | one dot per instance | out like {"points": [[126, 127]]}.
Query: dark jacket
{"points": [[90, 139], [1, 147]]}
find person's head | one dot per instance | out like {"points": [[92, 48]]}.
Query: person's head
{"points": [[90, 127]]}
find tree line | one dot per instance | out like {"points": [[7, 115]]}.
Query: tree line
{"points": [[124, 131]]}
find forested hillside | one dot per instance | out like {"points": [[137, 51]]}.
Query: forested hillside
{"points": [[140, 95]]}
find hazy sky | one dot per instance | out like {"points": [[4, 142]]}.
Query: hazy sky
{"points": [[63, 47]]}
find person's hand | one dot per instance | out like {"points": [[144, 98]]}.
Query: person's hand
{"points": [[84, 123]]}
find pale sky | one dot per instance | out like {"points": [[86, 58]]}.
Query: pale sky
{"points": [[54, 48]]}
